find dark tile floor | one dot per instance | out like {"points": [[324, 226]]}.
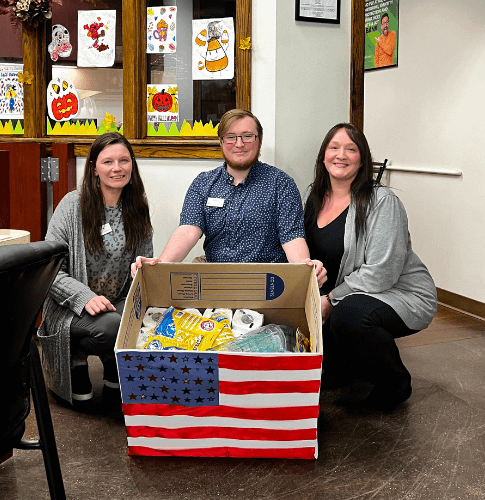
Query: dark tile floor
{"points": [[432, 447]]}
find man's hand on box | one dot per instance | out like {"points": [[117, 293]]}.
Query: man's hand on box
{"points": [[139, 260]]}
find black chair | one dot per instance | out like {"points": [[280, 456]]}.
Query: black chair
{"points": [[26, 274], [382, 166]]}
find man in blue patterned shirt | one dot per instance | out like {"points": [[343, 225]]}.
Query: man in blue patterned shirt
{"points": [[248, 211]]}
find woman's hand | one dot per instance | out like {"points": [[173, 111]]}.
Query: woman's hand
{"points": [[326, 308], [320, 271], [99, 304], [139, 260]]}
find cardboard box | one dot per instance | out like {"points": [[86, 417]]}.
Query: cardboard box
{"points": [[208, 403]]}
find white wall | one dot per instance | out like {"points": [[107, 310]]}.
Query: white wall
{"points": [[300, 88], [428, 112], [312, 87]]}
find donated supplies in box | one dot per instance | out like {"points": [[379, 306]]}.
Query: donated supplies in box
{"points": [[219, 403]]}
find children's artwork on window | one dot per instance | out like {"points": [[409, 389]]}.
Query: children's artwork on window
{"points": [[96, 38], [62, 100], [213, 49], [60, 45], [162, 103], [161, 30], [11, 91]]}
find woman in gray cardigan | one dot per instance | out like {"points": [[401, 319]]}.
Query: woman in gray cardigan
{"points": [[106, 225], [377, 288]]}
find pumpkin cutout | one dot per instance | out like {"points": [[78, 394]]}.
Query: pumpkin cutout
{"points": [[64, 107], [162, 101], [62, 100]]}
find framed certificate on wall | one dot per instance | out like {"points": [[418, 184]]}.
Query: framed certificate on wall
{"points": [[318, 11]]}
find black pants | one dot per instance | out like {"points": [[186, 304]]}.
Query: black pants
{"points": [[358, 341], [96, 335]]}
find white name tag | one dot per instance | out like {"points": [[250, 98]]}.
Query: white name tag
{"points": [[215, 202], [105, 229]]}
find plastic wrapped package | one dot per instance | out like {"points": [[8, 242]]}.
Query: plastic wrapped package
{"points": [[220, 316], [246, 320], [209, 312], [152, 316], [143, 337], [269, 338], [193, 311]]}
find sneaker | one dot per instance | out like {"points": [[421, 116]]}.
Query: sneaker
{"points": [[111, 388], [110, 375], [111, 385], [82, 389]]}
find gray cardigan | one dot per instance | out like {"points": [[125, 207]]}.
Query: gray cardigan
{"points": [[69, 294], [383, 265]]}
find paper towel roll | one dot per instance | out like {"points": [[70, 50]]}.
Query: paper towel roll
{"points": [[193, 311], [209, 312], [246, 320], [142, 337], [152, 316]]}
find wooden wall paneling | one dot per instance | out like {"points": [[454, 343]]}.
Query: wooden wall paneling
{"points": [[141, 69], [243, 57], [4, 190], [34, 54], [357, 64], [134, 69], [461, 303], [67, 171], [28, 209], [196, 85]]}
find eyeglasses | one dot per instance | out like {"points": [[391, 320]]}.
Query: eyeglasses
{"points": [[232, 139]]}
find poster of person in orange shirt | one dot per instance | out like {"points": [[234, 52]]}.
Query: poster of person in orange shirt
{"points": [[381, 26], [385, 44]]}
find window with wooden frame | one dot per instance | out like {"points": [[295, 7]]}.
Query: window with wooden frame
{"points": [[11, 79], [135, 69]]}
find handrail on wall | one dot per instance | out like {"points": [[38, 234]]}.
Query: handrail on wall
{"points": [[418, 170]]}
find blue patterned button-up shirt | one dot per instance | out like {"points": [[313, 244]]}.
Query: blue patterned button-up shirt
{"points": [[256, 218]]}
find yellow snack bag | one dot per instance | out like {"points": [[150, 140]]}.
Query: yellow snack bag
{"points": [[226, 333], [183, 330]]}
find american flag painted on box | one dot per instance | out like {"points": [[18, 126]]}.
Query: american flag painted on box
{"points": [[189, 403]]}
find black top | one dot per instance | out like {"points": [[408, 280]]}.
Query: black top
{"points": [[327, 245]]}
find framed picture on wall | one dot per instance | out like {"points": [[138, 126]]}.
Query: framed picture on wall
{"points": [[318, 11], [381, 33]]}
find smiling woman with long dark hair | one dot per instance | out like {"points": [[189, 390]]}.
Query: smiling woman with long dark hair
{"points": [[377, 289], [106, 224]]}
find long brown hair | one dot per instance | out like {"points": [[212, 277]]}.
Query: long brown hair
{"points": [[362, 187], [133, 200]]}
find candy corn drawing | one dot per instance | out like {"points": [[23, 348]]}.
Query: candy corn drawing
{"points": [[217, 40]]}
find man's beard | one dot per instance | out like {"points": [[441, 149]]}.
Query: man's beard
{"points": [[241, 166]]}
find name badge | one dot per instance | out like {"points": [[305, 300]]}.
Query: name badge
{"points": [[105, 229], [215, 202]]}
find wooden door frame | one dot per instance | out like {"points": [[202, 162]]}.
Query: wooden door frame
{"points": [[357, 53], [67, 172]]}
